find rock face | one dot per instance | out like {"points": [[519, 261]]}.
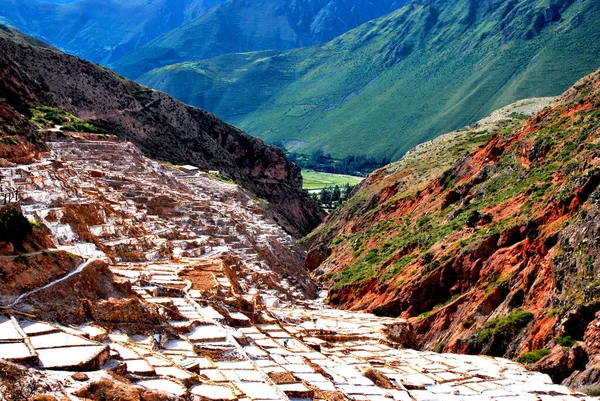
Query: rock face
{"points": [[159, 125], [90, 294], [497, 254]]}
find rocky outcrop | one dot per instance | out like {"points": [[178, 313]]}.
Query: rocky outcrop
{"points": [[158, 124], [120, 390], [496, 254], [92, 293]]}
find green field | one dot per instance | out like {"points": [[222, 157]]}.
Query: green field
{"points": [[314, 180]]}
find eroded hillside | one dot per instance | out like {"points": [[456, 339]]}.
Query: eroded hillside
{"points": [[494, 255]]}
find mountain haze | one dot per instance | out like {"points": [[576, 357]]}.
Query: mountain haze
{"points": [[399, 80], [241, 26], [101, 31]]}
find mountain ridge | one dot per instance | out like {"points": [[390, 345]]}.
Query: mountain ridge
{"points": [[100, 31], [239, 26]]}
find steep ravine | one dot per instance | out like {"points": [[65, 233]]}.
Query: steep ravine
{"points": [[496, 254]]}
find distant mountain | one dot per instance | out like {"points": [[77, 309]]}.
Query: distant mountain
{"points": [[242, 26], [100, 31], [382, 88], [34, 74]]}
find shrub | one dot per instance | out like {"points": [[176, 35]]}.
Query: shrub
{"points": [[17, 385], [593, 392], [566, 341], [495, 335], [338, 240], [467, 323], [505, 325], [14, 227], [9, 140], [533, 356], [439, 347], [36, 224]]}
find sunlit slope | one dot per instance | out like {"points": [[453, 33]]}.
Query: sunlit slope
{"points": [[395, 82]]}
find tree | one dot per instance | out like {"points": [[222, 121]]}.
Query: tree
{"points": [[336, 194]]}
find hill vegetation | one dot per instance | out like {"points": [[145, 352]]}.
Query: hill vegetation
{"points": [[382, 88]]}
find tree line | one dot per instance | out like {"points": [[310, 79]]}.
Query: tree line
{"points": [[332, 197], [357, 165]]}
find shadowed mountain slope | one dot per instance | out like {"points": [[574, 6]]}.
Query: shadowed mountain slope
{"points": [[242, 26], [100, 31]]}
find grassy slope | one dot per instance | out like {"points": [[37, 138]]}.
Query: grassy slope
{"points": [[413, 173], [395, 82], [317, 180]]}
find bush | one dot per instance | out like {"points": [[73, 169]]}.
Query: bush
{"points": [[36, 224], [17, 385], [505, 326], [533, 356], [593, 392], [14, 227], [495, 335], [566, 341], [9, 140]]}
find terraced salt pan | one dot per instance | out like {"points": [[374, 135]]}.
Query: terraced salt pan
{"points": [[213, 392], [36, 328], [214, 221], [8, 331], [260, 391], [59, 340], [70, 357], [15, 351], [139, 366], [207, 333], [163, 385]]}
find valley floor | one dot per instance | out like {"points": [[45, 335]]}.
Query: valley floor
{"points": [[315, 180], [241, 319]]}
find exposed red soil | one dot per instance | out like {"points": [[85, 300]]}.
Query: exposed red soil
{"points": [[531, 263]]}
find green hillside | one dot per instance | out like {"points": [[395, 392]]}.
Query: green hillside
{"points": [[380, 89], [241, 26]]}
